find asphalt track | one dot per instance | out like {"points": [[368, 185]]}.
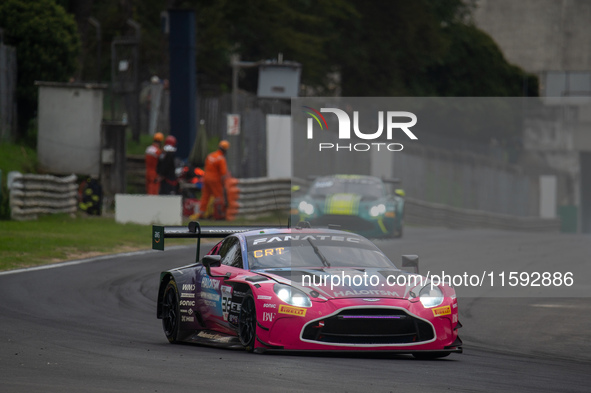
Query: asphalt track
{"points": [[91, 327]]}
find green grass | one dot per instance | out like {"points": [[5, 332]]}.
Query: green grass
{"points": [[58, 238], [17, 158], [14, 157]]}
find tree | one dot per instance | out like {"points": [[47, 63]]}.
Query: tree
{"points": [[421, 48], [260, 30], [474, 66], [47, 44], [378, 47]]}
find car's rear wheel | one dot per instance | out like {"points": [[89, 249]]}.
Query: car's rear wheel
{"points": [[171, 317], [247, 323], [429, 355]]}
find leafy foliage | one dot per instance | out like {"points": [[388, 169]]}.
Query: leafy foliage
{"points": [[47, 43], [377, 48], [372, 48], [13, 158], [475, 66]]}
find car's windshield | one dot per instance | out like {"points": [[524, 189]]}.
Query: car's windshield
{"points": [[316, 252], [366, 187]]}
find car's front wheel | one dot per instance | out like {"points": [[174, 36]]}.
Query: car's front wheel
{"points": [[247, 323], [171, 312]]}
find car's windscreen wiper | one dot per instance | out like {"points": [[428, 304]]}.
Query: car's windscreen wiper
{"points": [[317, 251]]}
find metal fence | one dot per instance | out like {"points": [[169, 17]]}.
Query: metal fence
{"points": [[7, 91]]}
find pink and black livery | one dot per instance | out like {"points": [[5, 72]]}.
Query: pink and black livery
{"points": [[303, 289]]}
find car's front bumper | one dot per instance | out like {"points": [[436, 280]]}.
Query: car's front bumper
{"points": [[352, 325]]}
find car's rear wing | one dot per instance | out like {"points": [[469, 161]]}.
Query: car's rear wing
{"points": [[195, 231], [391, 180]]}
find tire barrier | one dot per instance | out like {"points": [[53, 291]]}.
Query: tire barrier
{"points": [[262, 196], [31, 195]]}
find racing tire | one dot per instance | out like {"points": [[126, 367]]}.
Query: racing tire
{"points": [[171, 315], [397, 234], [429, 355], [247, 323], [398, 229]]}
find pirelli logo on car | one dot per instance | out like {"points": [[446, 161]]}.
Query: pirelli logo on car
{"points": [[440, 311], [298, 312]]}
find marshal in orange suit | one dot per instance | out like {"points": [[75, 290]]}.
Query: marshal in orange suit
{"points": [[216, 170], [152, 154]]}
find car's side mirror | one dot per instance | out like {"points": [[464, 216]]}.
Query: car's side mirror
{"points": [[210, 261], [410, 263]]}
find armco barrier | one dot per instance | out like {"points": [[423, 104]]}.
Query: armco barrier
{"points": [[434, 214], [31, 195], [261, 196]]}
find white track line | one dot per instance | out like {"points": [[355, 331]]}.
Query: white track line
{"points": [[83, 261]]}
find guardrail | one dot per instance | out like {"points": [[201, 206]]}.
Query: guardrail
{"points": [[434, 214], [31, 195], [260, 196]]}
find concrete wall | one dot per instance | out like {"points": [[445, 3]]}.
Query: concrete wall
{"points": [[69, 137], [148, 209], [467, 181], [543, 36], [279, 159], [540, 35]]}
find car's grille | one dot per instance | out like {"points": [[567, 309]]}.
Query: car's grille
{"points": [[369, 326], [346, 222]]}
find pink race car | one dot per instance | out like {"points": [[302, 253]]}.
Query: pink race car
{"points": [[303, 289]]}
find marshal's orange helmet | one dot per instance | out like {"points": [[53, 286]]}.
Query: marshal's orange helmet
{"points": [[224, 145], [158, 137]]}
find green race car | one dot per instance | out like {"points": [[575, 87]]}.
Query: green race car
{"points": [[361, 204]]}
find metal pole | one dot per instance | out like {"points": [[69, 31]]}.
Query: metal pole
{"points": [[99, 42], [235, 153], [135, 108], [113, 79], [235, 68]]}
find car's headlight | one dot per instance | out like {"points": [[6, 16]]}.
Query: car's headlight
{"points": [[291, 295], [377, 210], [306, 208], [431, 297]]}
